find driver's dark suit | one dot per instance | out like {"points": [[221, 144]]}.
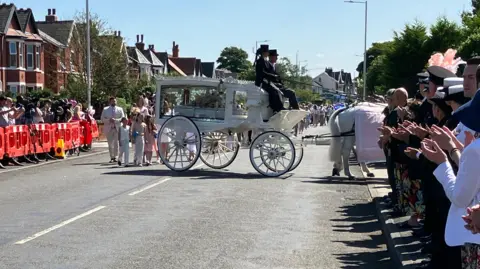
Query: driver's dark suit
{"points": [[265, 80]]}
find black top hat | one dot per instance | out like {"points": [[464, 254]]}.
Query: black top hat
{"points": [[437, 74], [468, 113], [272, 53], [263, 48]]}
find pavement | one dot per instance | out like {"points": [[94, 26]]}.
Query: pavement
{"points": [[404, 248], [86, 213]]}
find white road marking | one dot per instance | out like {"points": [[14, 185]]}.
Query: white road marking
{"points": [[149, 186], [59, 225]]}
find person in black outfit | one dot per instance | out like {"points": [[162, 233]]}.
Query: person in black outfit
{"points": [[290, 94], [263, 79]]}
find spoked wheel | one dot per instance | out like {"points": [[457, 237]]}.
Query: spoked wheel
{"points": [[298, 156], [217, 151], [272, 154], [179, 143]]}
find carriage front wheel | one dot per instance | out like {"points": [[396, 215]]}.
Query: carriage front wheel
{"points": [[219, 150], [179, 143], [272, 154]]}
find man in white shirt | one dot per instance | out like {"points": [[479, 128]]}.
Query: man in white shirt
{"points": [[111, 117]]}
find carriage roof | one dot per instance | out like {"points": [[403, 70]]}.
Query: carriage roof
{"points": [[209, 82]]}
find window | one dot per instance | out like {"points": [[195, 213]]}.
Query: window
{"points": [[21, 61], [22, 89], [30, 89], [13, 54], [37, 55], [30, 56], [72, 56], [13, 90]]}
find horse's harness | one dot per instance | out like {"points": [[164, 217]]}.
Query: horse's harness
{"points": [[344, 134]]}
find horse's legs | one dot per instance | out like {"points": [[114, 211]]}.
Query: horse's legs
{"points": [[348, 143]]}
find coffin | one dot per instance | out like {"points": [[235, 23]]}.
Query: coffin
{"points": [[368, 117]]}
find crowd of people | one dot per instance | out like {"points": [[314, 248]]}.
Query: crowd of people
{"points": [[432, 154], [318, 115]]}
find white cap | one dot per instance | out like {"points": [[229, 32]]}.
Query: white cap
{"points": [[448, 82], [455, 89]]}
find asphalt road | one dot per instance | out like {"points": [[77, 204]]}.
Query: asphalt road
{"points": [[85, 213]]}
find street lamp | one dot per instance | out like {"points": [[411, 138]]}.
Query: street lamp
{"points": [[89, 75], [365, 48]]}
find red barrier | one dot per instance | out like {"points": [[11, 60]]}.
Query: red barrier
{"points": [[42, 140], [17, 138], [61, 131], [2, 143], [75, 130]]}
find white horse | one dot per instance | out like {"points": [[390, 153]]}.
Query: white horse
{"points": [[342, 129]]}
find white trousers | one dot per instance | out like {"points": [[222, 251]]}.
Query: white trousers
{"points": [[112, 139], [124, 152], [139, 146]]}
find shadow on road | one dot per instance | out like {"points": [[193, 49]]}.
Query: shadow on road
{"points": [[343, 180], [360, 218], [193, 174]]}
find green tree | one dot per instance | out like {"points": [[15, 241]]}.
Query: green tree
{"points": [[109, 67], [234, 59], [293, 76], [444, 34]]}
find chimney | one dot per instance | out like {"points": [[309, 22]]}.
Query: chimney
{"points": [[151, 47], [115, 33], [140, 45], [51, 17], [138, 38], [120, 33], [175, 50]]}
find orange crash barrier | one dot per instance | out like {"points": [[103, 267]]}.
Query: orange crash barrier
{"points": [[41, 139], [17, 138], [61, 131], [2, 143]]}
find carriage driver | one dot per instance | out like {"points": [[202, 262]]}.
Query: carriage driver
{"points": [[292, 98], [263, 77]]}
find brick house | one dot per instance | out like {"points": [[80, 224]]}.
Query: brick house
{"points": [[144, 61], [21, 61], [62, 56], [190, 66]]}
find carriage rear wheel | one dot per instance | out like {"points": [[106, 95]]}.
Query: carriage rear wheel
{"points": [[298, 156], [218, 151], [272, 154], [179, 143]]}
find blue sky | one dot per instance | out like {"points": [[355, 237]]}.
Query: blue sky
{"points": [[324, 32]]}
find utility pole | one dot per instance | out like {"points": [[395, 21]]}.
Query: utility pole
{"points": [[89, 75]]}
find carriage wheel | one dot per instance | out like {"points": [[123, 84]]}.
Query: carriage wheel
{"points": [[272, 154], [179, 143], [217, 152], [298, 156]]}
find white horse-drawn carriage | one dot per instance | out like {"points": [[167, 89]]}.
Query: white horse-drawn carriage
{"points": [[206, 114]]}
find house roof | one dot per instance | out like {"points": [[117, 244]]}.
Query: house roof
{"points": [[152, 58], [59, 30], [187, 65], [137, 55], [24, 16], [50, 39], [163, 57], [208, 69], [175, 67], [7, 12]]}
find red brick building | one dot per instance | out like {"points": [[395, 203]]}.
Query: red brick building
{"points": [[61, 56], [21, 62]]}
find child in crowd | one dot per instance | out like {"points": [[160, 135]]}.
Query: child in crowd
{"points": [[124, 142], [138, 133], [150, 134]]}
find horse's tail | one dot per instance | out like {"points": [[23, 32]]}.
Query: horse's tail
{"points": [[335, 150]]}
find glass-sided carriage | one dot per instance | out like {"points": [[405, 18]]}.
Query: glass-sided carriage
{"points": [[200, 118]]}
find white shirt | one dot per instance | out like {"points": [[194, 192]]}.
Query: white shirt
{"points": [[460, 131], [4, 119], [124, 134], [463, 191]]}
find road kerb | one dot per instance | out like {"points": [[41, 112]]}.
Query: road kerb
{"points": [[7, 170]]}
